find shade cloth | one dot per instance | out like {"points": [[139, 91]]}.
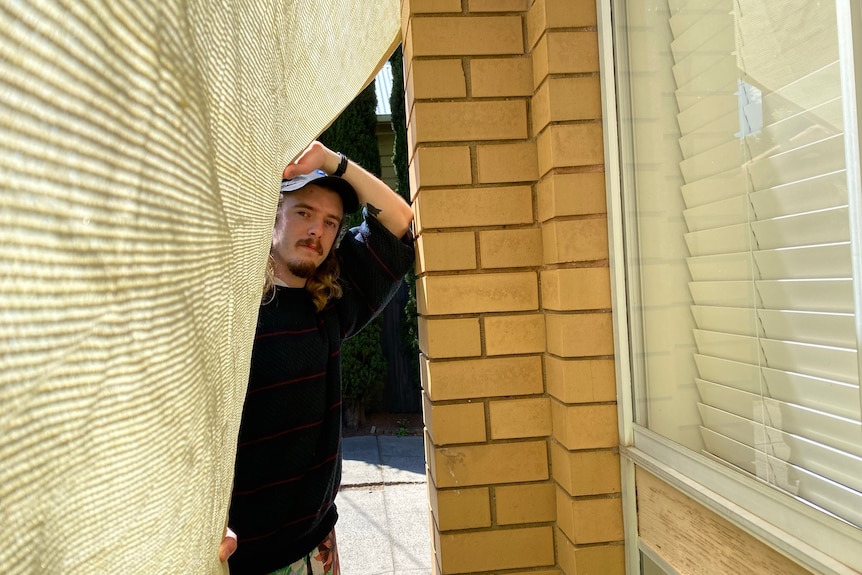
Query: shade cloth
{"points": [[141, 149]]}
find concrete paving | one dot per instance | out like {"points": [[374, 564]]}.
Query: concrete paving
{"points": [[383, 526]]}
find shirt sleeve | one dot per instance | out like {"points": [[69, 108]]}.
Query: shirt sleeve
{"points": [[372, 262]]}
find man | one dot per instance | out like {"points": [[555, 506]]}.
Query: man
{"points": [[320, 290]]}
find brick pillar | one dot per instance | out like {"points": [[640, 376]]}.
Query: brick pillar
{"points": [[513, 294], [566, 115], [579, 369]]}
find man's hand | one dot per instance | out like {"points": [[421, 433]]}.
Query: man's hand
{"points": [[228, 545], [315, 157]]}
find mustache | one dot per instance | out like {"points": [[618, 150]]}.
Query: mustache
{"points": [[308, 242]]}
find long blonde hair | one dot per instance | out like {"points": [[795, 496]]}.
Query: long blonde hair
{"points": [[323, 285]]}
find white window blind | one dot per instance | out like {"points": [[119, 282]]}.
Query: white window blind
{"points": [[765, 195]]}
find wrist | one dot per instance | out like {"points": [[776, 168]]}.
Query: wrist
{"points": [[330, 166], [342, 165]]}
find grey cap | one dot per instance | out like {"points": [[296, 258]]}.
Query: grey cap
{"points": [[340, 186]]}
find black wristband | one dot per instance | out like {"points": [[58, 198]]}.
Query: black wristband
{"points": [[342, 165]]}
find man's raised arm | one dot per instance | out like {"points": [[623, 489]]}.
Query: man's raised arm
{"points": [[380, 200]]}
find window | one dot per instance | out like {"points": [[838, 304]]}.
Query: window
{"points": [[738, 243]]}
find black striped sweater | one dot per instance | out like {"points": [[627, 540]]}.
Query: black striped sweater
{"points": [[288, 464]]}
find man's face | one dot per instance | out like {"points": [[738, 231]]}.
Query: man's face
{"points": [[306, 228]]}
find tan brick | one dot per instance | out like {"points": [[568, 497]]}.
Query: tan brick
{"points": [[499, 163], [501, 77], [511, 334], [467, 121], [570, 52], [581, 380], [579, 335], [413, 176], [467, 36], [585, 426], [571, 13], [450, 338], [477, 551], [468, 207], [487, 377], [520, 418], [443, 165], [446, 251], [537, 22], [497, 5], [513, 248], [571, 195], [477, 293], [412, 143], [409, 92], [566, 99], [417, 217], [407, 32], [549, 14], [586, 521], [581, 240], [461, 508], [539, 61], [435, 6], [540, 108], [583, 473], [455, 422], [576, 289], [532, 503], [573, 52], [603, 559], [438, 79], [424, 373], [428, 445], [490, 464], [408, 61], [563, 145]]}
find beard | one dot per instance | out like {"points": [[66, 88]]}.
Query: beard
{"points": [[301, 268]]}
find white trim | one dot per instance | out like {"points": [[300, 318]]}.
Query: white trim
{"points": [[615, 221], [849, 16], [834, 548], [616, 256]]}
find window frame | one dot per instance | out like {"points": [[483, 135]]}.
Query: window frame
{"points": [[810, 537]]}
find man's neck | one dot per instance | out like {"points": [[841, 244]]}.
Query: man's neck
{"points": [[289, 280]]}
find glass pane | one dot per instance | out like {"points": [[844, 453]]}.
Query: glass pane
{"points": [[650, 567], [738, 238]]}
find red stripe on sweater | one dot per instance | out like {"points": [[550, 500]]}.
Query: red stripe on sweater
{"points": [[288, 382], [283, 481], [282, 433], [381, 264], [284, 332]]}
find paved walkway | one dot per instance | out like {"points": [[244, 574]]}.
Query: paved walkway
{"points": [[383, 524]]}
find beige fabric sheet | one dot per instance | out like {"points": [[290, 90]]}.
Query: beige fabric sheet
{"points": [[141, 148]]}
